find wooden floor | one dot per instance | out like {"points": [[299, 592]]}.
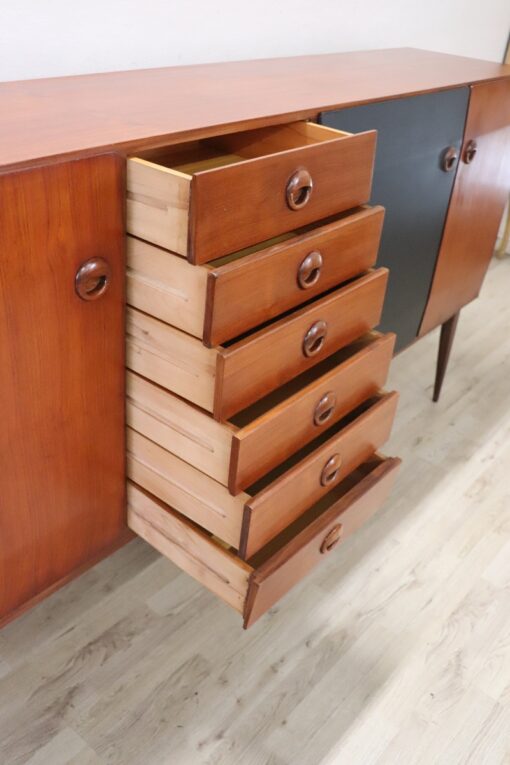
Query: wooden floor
{"points": [[396, 651]]}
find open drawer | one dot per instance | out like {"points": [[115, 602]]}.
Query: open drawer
{"points": [[253, 517], [209, 198], [226, 297], [238, 452], [230, 377], [254, 586]]}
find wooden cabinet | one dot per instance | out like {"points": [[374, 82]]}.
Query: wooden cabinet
{"points": [[62, 482], [413, 184], [254, 391], [230, 446], [477, 204]]}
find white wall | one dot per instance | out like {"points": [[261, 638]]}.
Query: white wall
{"points": [[42, 38]]}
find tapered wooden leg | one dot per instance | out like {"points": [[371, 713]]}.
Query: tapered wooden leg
{"points": [[445, 346]]}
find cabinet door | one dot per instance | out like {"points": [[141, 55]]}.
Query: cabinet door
{"points": [[409, 181], [62, 375], [477, 204]]}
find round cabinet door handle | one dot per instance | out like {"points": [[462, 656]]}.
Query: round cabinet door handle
{"points": [[92, 279], [331, 470], [324, 409], [332, 538], [470, 152], [449, 159], [309, 270], [299, 189], [314, 339]]}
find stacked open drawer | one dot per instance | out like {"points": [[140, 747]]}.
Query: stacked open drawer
{"points": [[254, 387]]}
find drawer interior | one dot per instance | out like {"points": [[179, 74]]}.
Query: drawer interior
{"points": [[220, 151]]}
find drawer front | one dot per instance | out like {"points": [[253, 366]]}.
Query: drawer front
{"points": [[269, 439], [288, 274], [276, 576], [251, 368], [274, 508], [240, 204], [216, 196], [251, 588]]}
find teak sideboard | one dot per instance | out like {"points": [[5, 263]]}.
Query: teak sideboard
{"points": [[204, 274]]}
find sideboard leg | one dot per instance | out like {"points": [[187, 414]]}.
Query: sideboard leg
{"points": [[448, 330]]}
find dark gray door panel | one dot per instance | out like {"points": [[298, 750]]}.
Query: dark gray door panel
{"points": [[413, 133]]}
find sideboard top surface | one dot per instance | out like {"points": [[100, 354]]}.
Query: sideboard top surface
{"points": [[133, 110]]}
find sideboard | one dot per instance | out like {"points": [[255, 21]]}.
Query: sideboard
{"points": [[277, 212]]}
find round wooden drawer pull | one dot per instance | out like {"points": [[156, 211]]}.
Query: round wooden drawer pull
{"points": [[314, 339], [92, 279], [299, 189], [309, 271], [324, 409], [331, 470], [470, 152], [332, 538], [449, 159]]}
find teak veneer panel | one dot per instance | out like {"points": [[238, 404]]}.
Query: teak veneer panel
{"points": [[152, 107], [62, 400], [479, 197]]}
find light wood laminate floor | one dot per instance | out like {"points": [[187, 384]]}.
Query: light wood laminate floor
{"points": [[396, 651]]}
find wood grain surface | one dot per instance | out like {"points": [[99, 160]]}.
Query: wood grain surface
{"points": [[62, 375], [145, 108]]}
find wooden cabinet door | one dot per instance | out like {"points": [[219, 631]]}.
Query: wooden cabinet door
{"points": [[61, 375], [477, 204], [409, 181]]}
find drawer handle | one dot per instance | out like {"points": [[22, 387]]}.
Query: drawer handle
{"points": [[449, 159], [92, 279], [331, 470], [324, 409], [332, 538], [309, 270], [470, 152], [299, 189], [313, 341]]}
